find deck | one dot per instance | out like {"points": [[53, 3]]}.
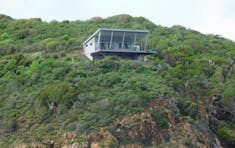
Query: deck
{"points": [[121, 53]]}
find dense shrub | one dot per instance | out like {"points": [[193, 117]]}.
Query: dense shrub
{"points": [[160, 120], [188, 107], [227, 135], [55, 94]]}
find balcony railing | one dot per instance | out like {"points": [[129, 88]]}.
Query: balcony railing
{"points": [[105, 46]]}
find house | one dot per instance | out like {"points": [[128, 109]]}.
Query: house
{"points": [[120, 42]]}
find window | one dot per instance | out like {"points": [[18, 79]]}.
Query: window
{"points": [[120, 45], [91, 44], [86, 45], [126, 45], [102, 46]]}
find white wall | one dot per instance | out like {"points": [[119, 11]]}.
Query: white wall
{"points": [[89, 48]]}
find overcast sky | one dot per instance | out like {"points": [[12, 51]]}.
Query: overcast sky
{"points": [[206, 16]]}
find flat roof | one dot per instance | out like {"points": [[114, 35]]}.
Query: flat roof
{"points": [[115, 30], [122, 30]]}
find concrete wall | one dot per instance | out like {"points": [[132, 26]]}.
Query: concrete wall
{"points": [[89, 48]]}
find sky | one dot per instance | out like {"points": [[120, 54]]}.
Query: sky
{"points": [[207, 16]]}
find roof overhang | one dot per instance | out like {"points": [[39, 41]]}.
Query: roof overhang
{"points": [[140, 33]]}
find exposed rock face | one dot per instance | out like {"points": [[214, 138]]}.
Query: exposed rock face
{"points": [[142, 130], [220, 112], [103, 139], [181, 133]]}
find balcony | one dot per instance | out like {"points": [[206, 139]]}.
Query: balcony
{"points": [[119, 47]]}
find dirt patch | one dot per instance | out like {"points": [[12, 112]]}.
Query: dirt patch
{"points": [[76, 52]]}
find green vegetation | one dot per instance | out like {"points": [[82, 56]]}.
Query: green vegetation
{"points": [[188, 108], [227, 135], [160, 121], [45, 90]]}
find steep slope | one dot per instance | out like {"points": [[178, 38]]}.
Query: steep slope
{"points": [[183, 96]]}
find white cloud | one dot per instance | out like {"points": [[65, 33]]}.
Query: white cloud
{"points": [[214, 20]]}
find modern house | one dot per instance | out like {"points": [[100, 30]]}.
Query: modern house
{"points": [[120, 42]]}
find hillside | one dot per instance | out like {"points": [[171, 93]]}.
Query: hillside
{"points": [[52, 96]]}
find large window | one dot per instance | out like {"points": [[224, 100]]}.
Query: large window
{"points": [[120, 45], [126, 46], [102, 46]]}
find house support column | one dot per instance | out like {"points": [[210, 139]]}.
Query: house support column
{"points": [[145, 44], [123, 39], [134, 39], [98, 46], [111, 40]]}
